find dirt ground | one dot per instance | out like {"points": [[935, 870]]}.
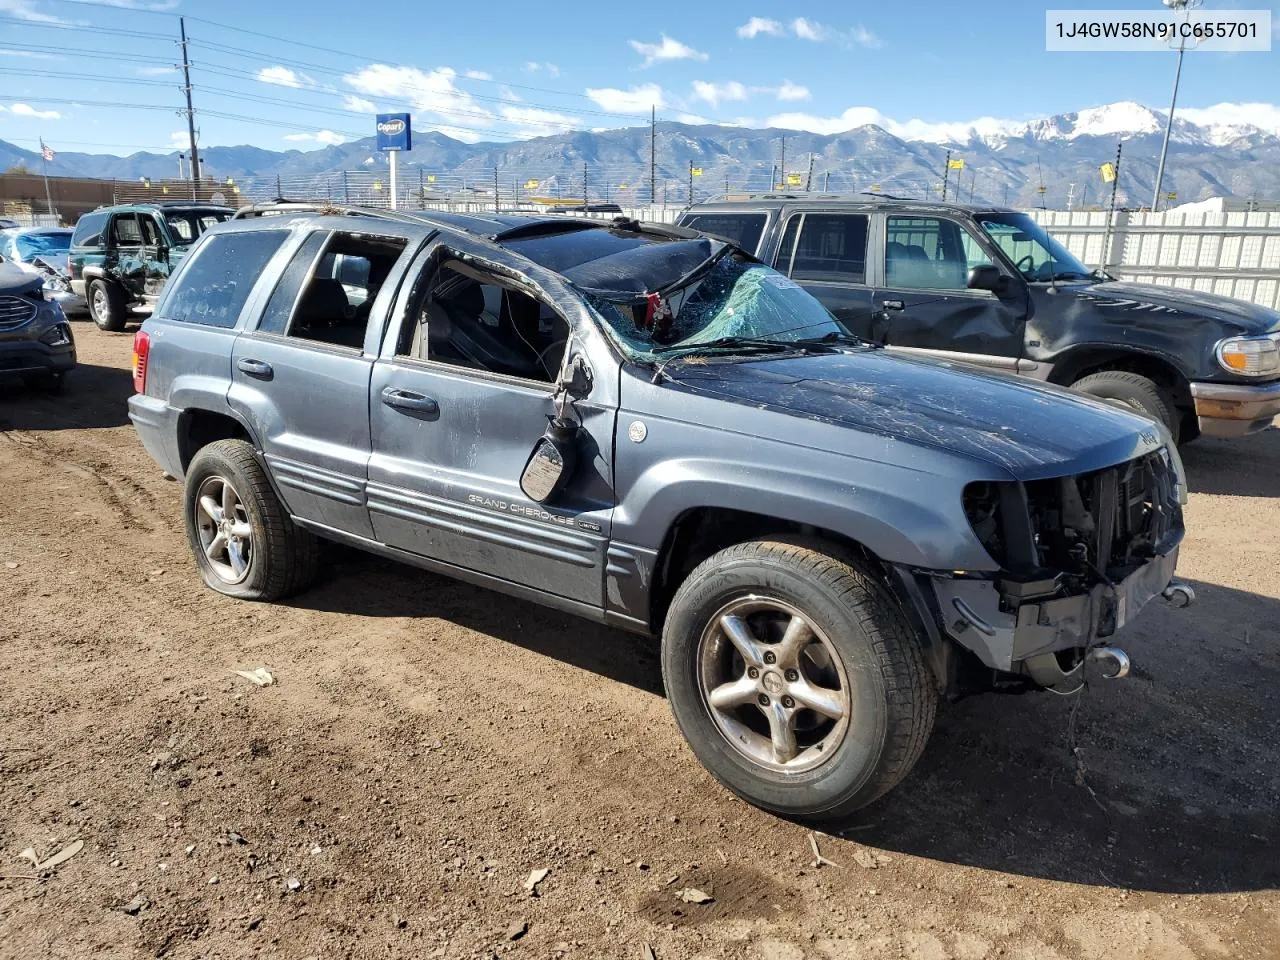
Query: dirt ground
{"points": [[428, 744]]}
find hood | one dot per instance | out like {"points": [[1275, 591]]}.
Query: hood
{"points": [[1241, 317], [1031, 430], [14, 281]]}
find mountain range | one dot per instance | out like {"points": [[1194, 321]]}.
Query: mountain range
{"points": [[1005, 162]]}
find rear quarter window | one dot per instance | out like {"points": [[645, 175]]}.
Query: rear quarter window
{"points": [[212, 289], [89, 230], [744, 229]]}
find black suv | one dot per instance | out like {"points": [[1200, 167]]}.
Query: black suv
{"points": [[651, 429], [990, 287], [122, 256]]}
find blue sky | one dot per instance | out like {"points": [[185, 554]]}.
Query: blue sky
{"points": [[502, 70]]}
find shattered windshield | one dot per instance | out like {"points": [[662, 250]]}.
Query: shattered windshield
{"points": [[735, 299], [1038, 257]]}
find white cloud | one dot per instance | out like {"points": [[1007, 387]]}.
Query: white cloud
{"points": [[326, 137], [29, 54], [758, 25], [156, 71], [636, 100], [810, 30], [180, 139], [532, 122], [693, 118], [26, 110], [284, 77], [358, 104], [789, 91], [717, 93], [1265, 116], [432, 92], [865, 38], [477, 75], [533, 66], [26, 10], [668, 49]]}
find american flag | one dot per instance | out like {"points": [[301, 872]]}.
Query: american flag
{"points": [[46, 151]]}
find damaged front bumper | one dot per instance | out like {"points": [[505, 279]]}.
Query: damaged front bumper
{"points": [[1042, 640]]}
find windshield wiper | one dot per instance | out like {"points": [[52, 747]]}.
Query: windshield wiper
{"points": [[833, 338], [746, 344]]}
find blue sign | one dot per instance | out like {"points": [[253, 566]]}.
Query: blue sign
{"points": [[395, 132]]}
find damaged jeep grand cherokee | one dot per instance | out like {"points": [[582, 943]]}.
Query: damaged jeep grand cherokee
{"points": [[649, 428]]}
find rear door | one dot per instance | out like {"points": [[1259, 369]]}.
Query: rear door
{"points": [[827, 253], [155, 256], [124, 258], [300, 376], [926, 301], [459, 398]]}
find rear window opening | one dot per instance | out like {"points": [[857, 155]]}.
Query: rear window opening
{"points": [[743, 229]]}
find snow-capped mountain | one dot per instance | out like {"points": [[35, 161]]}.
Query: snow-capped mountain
{"points": [[1215, 152]]}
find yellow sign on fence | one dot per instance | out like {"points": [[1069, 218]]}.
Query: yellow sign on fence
{"points": [[955, 164], [795, 179], [1108, 171], [695, 171], [531, 184]]}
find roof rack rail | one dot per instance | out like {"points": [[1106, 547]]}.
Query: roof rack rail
{"points": [[324, 207]]}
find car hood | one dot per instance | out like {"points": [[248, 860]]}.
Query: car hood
{"points": [[14, 281], [1244, 318], [1031, 430]]}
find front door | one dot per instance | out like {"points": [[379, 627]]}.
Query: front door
{"points": [[301, 376], [826, 253], [155, 257], [459, 398], [927, 304]]}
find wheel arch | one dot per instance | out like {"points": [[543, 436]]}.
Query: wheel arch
{"points": [[1084, 361], [198, 427]]}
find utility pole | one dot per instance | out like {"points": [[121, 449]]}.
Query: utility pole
{"points": [[191, 113], [808, 179], [1071, 196], [653, 155], [691, 183], [782, 161], [1179, 6], [1111, 211], [495, 189], [946, 176], [584, 186], [773, 178], [826, 182]]}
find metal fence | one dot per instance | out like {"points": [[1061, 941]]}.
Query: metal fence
{"points": [[1233, 254]]}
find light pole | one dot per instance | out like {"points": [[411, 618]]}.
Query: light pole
{"points": [[1177, 6]]}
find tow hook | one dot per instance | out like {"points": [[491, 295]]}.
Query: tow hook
{"points": [[1115, 662], [1179, 594]]}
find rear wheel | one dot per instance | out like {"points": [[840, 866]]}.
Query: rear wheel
{"points": [[107, 305], [1135, 391], [244, 542], [795, 678]]}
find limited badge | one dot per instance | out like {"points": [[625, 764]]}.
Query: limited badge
{"points": [[637, 431]]}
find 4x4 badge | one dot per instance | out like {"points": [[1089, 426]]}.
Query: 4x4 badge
{"points": [[637, 431]]}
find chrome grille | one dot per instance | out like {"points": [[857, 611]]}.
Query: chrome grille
{"points": [[15, 311]]}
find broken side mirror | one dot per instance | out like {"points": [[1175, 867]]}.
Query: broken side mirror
{"points": [[578, 382], [552, 462]]}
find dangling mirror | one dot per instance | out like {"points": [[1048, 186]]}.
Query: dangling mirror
{"points": [[551, 464]]}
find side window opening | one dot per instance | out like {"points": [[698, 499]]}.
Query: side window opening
{"points": [[337, 298], [832, 247], [787, 249], [470, 318], [150, 231], [125, 231], [928, 253], [212, 288], [89, 229], [744, 229]]}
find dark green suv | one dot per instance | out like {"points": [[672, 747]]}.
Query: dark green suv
{"points": [[122, 256]]}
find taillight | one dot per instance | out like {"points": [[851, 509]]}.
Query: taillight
{"points": [[141, 347]]}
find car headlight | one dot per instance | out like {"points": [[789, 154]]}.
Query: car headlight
{"points": [[1250, 356], [59, 335]]}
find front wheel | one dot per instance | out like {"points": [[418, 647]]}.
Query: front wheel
{"points": [[797, 681], [1134, 391], [244, 542]]}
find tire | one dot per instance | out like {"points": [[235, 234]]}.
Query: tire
{"points": [[107, 305], [1133, 390], [867, 646], [277, 558]]}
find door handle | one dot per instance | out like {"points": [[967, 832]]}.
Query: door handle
{"points": [[894, 305], [255, 368], [408, 400]]}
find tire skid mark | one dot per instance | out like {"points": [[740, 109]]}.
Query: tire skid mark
{"points": [[106, 477]]}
